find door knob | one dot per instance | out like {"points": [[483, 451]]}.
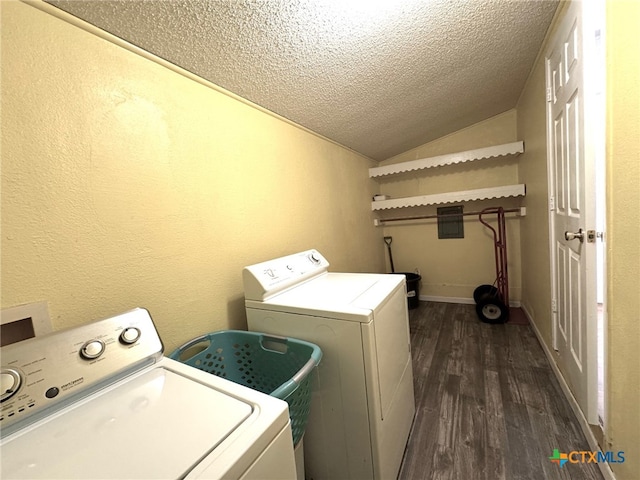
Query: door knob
{"points": [[573, 235]]}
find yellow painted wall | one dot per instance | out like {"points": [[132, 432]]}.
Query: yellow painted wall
{"points": [[536, 284], [622, 430], [623, 233], [453, 268], [127, 184]]}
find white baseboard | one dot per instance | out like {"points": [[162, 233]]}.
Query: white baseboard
{"points": [[433, 298], [605, 468], [466, 301]]}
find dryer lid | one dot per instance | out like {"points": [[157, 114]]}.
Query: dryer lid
{"points": [[156, 425]]}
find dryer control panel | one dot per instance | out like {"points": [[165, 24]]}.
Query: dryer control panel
{"points": [[49, 371], [264, 280]]}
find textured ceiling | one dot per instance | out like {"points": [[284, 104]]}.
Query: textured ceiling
{"points": [[380, 77]]}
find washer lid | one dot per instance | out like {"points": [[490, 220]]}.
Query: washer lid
{"points": [[156, 425], [346, 296]]}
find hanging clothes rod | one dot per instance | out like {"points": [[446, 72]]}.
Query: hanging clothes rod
{"points": [[521, 212]]}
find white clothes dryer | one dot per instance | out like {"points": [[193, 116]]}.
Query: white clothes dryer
{"points": [[362, 405], [100, 401]]}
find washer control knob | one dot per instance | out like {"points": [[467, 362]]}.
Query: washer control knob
{"points": [[314, 259], [10, 382], [129, 335], [92, 349]]}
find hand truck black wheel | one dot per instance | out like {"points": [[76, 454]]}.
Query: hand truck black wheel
{"points": [[483, 290], [491, 309]]}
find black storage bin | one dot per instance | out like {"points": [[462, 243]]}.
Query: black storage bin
{"points": [[413, 289]]}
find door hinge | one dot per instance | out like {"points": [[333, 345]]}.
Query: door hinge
{"points": [[548, 94], [552, 204], [554, 306]]}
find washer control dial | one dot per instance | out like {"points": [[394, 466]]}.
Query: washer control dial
{"points": [[10, 382], [129, 335], [92, 349]]}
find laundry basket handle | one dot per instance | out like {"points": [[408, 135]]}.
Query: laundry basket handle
{"points": [[292, 384], [305, 370], [177, 353]]}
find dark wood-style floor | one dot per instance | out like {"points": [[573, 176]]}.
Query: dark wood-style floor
{"points": [[488, 405]]}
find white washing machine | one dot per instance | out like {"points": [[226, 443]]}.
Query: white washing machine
{"points": [[100, 401], [362, 404]]}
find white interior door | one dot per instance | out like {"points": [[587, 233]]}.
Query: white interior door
{"points": [[572, 207]]}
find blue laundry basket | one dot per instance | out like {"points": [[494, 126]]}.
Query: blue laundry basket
{"points": [[277, 366]]}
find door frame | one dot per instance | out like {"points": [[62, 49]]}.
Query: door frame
{"points": [[597, 22]]}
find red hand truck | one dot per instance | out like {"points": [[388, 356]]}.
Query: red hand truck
{"points": [[492, 301]]}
